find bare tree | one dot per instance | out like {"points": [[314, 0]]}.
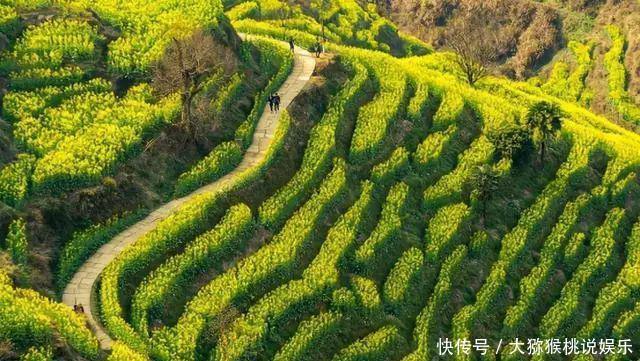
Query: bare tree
{"points": [[186, 65], [473, 37]]}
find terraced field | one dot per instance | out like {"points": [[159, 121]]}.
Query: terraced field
{"points": [[373, 244]]}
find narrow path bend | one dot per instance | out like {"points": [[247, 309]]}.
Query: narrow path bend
{"points": [[79, 290]]}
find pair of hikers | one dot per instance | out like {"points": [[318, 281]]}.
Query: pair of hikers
{"points": [[274, 102], [318, 47], [78, 308]]}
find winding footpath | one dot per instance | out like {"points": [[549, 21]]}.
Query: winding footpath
{"points": [[80, 289]]}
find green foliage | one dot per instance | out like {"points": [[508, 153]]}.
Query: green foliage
{"points": [[510, 143], [37, 354], [392, 169], [563, 317], [545, 120], [484, 184], [321, 148], [17, 243], [446, 229], [533, 285], [9, 20], [148, 27], [449, 188], [617, 77], [86, 242], [29, 319], [169, 234], [570, 86], [401, 289], [450, 111], [267, 267], [385, 238], [120, 352], [368, 302], [15, 179], [248, 9], [219, 162], [426, 332], [49, 46], [214, 246], [310, 335], [381, 345], [531, 226], [376, 118]]}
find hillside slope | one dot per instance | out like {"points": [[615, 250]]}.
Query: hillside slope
{"points": [[531, 32], [396, 206]]}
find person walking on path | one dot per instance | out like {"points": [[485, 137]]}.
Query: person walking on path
{"points": [[317, 47], [271, 101], [292, 45], [276, 102]]}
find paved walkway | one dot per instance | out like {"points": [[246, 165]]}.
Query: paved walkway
{"points": [[79, 290]]}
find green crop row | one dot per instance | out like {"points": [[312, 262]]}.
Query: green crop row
{"points": [[449, 188], [385, 237], [15, 179], [426, 331], [446, 230], [95, 141], [450, 111], [617, 76], [121, 352], [86, 242], [320, 149], [376, 118], [362, 300], [171, 233], [50, 44], [208, 249], [380, 345], [533, 285], [570, 86], [437, 154], [9, 20], [299, 296], [563, 318], [148, 27], [531, 226], [270, 265], [17, 242], [222, 159], [392, 169], [401, 288], [37, 354], [29, 319], [423, 99], [23, 104], [310, 335], [627, 327]]}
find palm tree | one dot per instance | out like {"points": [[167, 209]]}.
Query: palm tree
{"points": [[545, 120]]}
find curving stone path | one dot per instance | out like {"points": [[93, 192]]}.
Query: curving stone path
{"points": [[79, 290]]}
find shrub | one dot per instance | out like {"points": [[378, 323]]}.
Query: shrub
{"points": [[15, 180], [511, 143], [16, 241]]}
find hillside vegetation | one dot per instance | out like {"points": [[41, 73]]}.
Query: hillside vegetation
{"points": [[396, 205], [585, 50]]}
